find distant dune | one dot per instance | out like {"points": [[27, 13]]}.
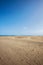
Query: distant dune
{"points": [[21, 50]]}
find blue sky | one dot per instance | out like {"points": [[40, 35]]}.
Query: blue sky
{"points": [[21, 17]]}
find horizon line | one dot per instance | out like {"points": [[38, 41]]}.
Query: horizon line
{"points": [[21, 35]]}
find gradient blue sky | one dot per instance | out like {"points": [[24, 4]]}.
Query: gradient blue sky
{"points": [[21, 17]]}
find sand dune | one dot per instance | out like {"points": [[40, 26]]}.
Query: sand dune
{"points": [[21, 50]]}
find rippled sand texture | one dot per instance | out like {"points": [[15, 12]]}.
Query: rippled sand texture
{"points": [[21, 50]]}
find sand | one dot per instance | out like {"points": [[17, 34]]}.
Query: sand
{"points": [[21, 50]]}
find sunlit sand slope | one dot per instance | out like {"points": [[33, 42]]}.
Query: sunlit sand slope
{"points": [[21, 50]]}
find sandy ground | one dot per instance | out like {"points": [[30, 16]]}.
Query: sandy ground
{"points": [[21, 50]]}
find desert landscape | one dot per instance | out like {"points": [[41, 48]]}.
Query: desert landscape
{"points": [[21, 50]]}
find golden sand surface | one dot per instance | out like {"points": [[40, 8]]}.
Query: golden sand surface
{"points": [[21, 50]]}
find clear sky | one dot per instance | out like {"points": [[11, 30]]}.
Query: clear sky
{"points": [[21, 17]]}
